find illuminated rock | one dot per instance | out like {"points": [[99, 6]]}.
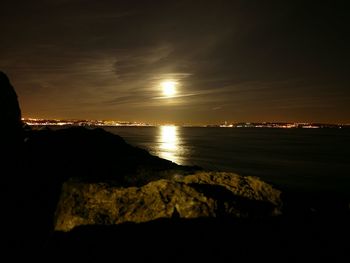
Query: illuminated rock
{"points": [[203, 194], [244, 186]]}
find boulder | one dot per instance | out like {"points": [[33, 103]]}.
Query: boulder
{"points": [[200, 195]]}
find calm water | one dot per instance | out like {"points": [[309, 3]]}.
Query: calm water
{"points": [[301, 159]]}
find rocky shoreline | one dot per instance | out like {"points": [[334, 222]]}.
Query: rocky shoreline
{"points": [[88, 193]]}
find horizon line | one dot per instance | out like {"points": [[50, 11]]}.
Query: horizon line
{"points": [[223, 123]]}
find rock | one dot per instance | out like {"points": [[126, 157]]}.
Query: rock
{"points": [[12, 186], [94, 154], [244, 186], [90, 155], [10, 113], [203, 194]]}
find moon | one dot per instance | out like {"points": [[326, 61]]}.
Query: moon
{"points": [[169, 88]]}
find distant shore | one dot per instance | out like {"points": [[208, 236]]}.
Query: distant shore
{"points": [[104, 123]]}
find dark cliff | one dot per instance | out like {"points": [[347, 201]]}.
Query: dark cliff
{"points": [[10, 113]]}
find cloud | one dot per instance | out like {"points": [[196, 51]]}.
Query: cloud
{"points": [[107, 58]]}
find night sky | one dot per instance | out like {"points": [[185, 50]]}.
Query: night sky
{"points": [[231, 60]]}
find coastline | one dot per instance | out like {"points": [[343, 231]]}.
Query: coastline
{"points": [[166, 211]]}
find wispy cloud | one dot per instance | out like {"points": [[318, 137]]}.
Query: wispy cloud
{"points": [[107, 59]]}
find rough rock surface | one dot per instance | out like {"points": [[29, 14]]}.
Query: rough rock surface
{"points": [[244, 186], [203, 194]]}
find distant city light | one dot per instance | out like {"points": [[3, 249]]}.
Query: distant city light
{"points": [[168, 131]]}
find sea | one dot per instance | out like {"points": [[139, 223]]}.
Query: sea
{"points": [[296, 159]]}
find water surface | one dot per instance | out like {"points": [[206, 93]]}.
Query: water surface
{"points": [[296, 158]]}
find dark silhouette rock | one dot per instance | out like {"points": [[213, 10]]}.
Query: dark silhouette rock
{"points": [[93, 154], [11, 168], [10, 113]]}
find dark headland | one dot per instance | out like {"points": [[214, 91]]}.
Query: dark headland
{"points": [[87, 195]]}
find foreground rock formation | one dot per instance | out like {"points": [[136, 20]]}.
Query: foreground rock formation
{"points": [[203, 194]]}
